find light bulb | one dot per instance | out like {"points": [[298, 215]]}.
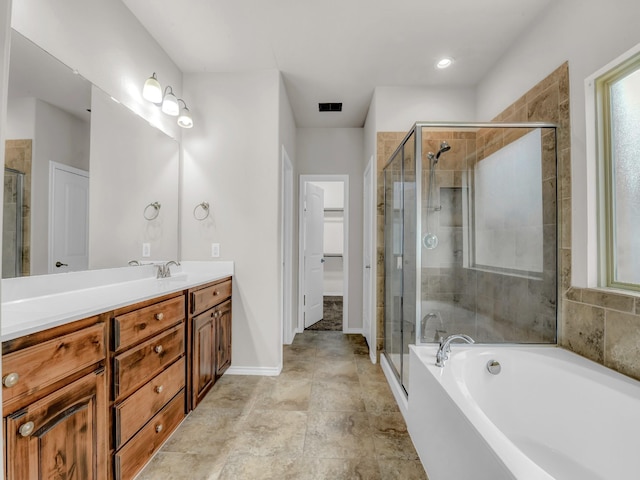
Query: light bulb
{"points": [[152, 91]]}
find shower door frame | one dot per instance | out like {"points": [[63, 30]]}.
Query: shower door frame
{"points": [[19, 247], [416, 130]]}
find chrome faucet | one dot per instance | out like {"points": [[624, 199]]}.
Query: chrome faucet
{"points": [[163, 269], [134, 263], [445, 347]]}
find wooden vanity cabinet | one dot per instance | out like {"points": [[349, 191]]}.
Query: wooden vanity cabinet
{"points": [[148, 380], [55, 403], [210, 332]]}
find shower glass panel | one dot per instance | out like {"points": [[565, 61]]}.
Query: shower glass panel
{"points": [[393, 241], [12, 242], [400, 258], [470, 236]]}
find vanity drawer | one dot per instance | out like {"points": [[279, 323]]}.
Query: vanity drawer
{"points": [[209, 296], [138, 365], [136, 410], [133, 327], [49, 362], [135, 454]]}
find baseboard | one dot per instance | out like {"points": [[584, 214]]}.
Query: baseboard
{"points": [[261, 371], [396, 388], [352, 330]]}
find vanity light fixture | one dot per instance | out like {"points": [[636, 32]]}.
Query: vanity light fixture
{"points": [[170, 102], [152, 91], [444, 62], [167, 101], [184, 119]]}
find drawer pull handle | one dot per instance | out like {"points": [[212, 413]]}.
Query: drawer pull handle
{"points": [[217, 314], [158, 349], [159, 316], [158, 428], [216, 293], [159, 389], [26, 429], [11, 380]]}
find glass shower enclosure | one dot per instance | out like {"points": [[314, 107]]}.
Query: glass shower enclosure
{"points": [[470, 236]]}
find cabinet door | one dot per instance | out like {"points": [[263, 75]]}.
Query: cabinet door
{"points": [[223, 338], [203, 366], [62, 436]]}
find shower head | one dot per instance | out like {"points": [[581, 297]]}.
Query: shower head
{"points": [[444, 147]]}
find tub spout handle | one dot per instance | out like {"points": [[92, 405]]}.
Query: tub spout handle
{"points": [[445, 347]]}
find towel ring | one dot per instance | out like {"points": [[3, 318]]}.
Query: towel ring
{"points": [[205, 208], [151, 214]]}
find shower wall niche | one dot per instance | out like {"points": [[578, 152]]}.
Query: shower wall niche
{"points": [[470, 236]]}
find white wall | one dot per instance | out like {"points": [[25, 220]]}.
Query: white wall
{"points": [[287, 139], [232, 160], [21, 118], [589, 34], [132, 165], [339, 151], [106, 44]]}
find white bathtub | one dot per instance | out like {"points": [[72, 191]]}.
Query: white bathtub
{"points": [[549, 414]]}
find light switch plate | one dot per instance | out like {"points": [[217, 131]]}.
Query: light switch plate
{"points": [[215, 250], [146, 249]]}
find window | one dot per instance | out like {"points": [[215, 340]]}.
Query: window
{"points": [[618, 102]]}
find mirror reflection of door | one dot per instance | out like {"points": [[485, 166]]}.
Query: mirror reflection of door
{"points": [[69, 219]]}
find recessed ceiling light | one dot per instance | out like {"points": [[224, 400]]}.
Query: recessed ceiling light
{"points": [[443, 63]]}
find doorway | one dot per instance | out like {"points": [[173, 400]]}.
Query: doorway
{"points": [[323, 248]]}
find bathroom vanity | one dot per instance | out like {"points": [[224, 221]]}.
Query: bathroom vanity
{"points": [[96, 397]]}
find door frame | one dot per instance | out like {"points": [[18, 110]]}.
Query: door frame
{"points": [[369, 207], [286, 232], [345, 258]]}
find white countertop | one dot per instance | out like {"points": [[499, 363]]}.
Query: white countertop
{"points": [[38, 303]]}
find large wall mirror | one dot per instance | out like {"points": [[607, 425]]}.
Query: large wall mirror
{"points": [[88, 183]]}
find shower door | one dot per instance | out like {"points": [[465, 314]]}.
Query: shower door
{"points": [[12, 241], [400, 259]]}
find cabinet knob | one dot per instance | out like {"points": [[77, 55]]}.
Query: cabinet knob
{"points": [[11, 380], [26, 429], [216, 293], [216, 315], [158, 428], [159, 316], [159, 389], [158, 349]]}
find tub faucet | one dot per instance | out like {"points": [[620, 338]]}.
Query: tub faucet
{"points": [[445, 347], [163, 269]]}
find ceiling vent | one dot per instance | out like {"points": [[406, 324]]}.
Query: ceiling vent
{"points": [[330, 107]]}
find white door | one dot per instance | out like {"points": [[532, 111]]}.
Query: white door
{"points": [[313, 253], [367, 258], [68, 219]]}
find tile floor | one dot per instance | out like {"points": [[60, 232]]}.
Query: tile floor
{"points": [[329, 415]]}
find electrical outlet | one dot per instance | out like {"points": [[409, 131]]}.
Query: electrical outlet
{"points": [[146, 249], [215, 250]]}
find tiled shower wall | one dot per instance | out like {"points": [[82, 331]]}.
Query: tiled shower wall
{"points": [[599, 324]]}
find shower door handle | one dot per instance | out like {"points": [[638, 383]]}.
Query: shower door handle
{"points": [[367, 266], [60, 264]]}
